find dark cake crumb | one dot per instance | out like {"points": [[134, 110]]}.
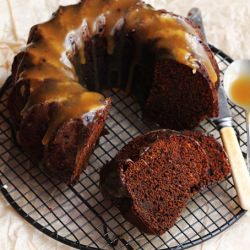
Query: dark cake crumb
{"points": [[156, 185]]}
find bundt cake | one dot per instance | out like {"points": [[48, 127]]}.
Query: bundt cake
{"points": [[156, 56], [152, 178]]}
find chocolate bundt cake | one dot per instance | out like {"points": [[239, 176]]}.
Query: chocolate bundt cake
{"points": [[152, 178], [156, 56]]}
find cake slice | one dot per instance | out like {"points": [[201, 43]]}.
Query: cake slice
{"points": [[152, 191], [218, 163], [152, 178], [68, 151]]}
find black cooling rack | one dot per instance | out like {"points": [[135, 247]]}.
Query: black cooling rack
{"points": [[80, 217]]}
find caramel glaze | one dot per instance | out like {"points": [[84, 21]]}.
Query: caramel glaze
{"points": [[54, 42], [240, 91]]}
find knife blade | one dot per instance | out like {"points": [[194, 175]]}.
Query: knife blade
{"points": [[195, 16], [224, 124], [225, 118]]}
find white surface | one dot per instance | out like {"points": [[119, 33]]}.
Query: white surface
{"points": [[227, 27]]}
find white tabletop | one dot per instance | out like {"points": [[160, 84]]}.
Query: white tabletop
{"points": [[227, 27]]}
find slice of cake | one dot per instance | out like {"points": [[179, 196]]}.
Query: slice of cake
{"points": [[152, 178]]}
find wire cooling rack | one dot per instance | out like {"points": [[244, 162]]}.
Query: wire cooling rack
{"points": [[80, 217]]}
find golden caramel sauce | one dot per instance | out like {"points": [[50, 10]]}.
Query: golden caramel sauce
{"points": [[53, 31], [75, 23], [240, 91], [73, 101], [53, 90], [49, 41], [41, 51], [115, 13], [45, 64], [69, 17], [181, 44], [73, 107], [52, 72], [178, 38]]}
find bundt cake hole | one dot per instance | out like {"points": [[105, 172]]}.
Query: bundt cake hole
{"points": [[98, 72]]}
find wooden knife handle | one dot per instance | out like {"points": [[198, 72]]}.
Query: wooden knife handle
{"points": [[239, 168]]}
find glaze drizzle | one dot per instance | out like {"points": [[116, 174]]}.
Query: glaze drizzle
{"points": [[66, 34]]}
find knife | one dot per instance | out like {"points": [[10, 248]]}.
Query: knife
{"points": [[224, 124]]}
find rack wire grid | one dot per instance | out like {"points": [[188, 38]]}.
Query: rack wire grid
{"points": [[80, 217]]}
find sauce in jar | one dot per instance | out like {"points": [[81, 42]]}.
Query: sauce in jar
{"points": [[240, 91]]}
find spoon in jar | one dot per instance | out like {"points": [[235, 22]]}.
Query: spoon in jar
{"points": [[237, 88]]}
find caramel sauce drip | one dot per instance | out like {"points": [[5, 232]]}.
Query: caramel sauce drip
{"points": [[73, 102], [240, 91], [74, 106], [169, 33], [65, 34], [51, 73]]}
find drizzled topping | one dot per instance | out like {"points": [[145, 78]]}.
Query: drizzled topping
{"points": [[179, 40], [66, 34], [170, 32]]}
